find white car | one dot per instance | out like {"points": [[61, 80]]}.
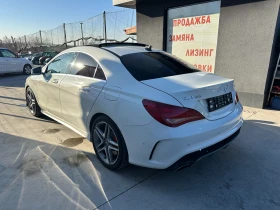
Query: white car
{"points": [[137, 105], [11, 63]]}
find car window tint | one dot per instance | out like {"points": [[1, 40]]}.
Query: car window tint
{"points": [[84, 66], [8, 54], [152, 65], [62, 63], [99, 74]]}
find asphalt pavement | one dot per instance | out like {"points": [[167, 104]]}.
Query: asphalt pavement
{"points": [[44, 165]]}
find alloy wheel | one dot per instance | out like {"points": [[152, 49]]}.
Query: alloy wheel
{"points": [[106, 143], [27, 69], [31, 103]]}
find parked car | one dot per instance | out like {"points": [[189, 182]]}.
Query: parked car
{"points": [[47, 60], [137, 105], [10, 62], [36, 57], [27, 56], [46, 55], [23, 55]]}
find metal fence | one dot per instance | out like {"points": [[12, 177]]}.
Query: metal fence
{"points": [[105, 27]]}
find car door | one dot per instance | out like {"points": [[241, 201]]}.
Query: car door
{"points": [[13, 63], [80, 89], [48, 87], [2, 63]]}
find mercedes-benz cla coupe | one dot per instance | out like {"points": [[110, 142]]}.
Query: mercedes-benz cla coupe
{"points": [[137, 105]]}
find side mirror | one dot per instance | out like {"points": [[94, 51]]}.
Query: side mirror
{"points": [[36, 71]]}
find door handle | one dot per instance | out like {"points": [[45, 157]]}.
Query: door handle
{"points": [[85, 89], [55, 81]]}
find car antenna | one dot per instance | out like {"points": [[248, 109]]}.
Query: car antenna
{"points": [[148, 48]]}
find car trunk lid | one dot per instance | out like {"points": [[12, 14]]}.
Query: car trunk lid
{"points": [[196, 90]]}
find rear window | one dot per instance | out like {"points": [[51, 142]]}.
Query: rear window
{"points": [[153, 65]]}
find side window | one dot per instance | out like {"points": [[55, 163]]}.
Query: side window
{"points": [[8, 54], [99, 74], [84, 66], [62, 63]]}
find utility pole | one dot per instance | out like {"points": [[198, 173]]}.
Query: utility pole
{"points": [[52, 37], [40, 32], [115, 25], [104, 25], [65, 40], [20, 43], [13, 41], [25, 41], [82, 33]]}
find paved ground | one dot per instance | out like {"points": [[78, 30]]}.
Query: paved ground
{"points": [[44, 165]]}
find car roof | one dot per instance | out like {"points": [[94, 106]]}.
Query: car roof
{"points": [[109, 62], [124, 50]]}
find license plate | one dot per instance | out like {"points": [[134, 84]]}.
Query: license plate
{"points": [[219, 102]]}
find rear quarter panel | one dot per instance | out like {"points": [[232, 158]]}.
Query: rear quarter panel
{"points": [[121, 97]]}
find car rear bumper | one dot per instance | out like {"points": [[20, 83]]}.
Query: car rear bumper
{"points": [[157, 146], [193, 157]]}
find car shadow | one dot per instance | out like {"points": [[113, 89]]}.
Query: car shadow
{"points": [[12, 80], [242, 176], [43, 118], [56, 175], [12, 98]]}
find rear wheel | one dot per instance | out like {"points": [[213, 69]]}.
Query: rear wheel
{"points": [[31, 103], [27, 69], [108, 143]]}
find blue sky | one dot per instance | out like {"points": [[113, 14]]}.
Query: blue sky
{"points": [[20, 17]]}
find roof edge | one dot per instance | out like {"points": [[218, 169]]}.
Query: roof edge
{"points": [[125, 3]]}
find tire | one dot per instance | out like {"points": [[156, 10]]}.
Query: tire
{"points": [[109, 145], [27, 69], [31, 103]]}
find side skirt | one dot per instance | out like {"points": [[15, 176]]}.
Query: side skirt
{"points": [[83, 134]]}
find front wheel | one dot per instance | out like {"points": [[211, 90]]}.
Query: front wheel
{"points": [[31, 103], [108, 143], [27, 69]]}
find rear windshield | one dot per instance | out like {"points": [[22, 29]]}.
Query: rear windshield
{"points": [[153, 65]]}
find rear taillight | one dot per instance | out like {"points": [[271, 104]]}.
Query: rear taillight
{"points": [[169, 115], [236, 98]]}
